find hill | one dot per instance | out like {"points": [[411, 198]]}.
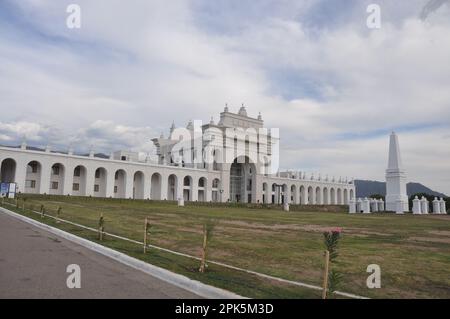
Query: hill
{"points": [[366, 188]]}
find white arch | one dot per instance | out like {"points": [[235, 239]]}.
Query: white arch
{"points": [[57, 179], [156, 185], [138, 185]]}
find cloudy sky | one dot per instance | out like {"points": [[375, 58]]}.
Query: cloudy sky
{"points": [[335, 88]]}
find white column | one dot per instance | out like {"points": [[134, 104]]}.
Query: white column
{"points": [[147, 185], [366, 206], [287, 195], [442, 205], [90, 181], [400, 207], [44, 187], [194, 190], [417, 206], [68, 180], [381, 205], [359, 204], [109, 180], [374, 205], [436, 206], [179, 188], [352, 207], [208, 190], [424, 205], [129, 182], [164, 185], [20, 176], [313, 197]]}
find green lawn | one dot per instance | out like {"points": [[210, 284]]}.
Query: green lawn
{"points": [[412, 251]]}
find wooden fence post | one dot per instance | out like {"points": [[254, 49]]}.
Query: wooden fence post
{"points": [[205, 237], [325, 274], [101, 228], [145, 235], [58, 213]]}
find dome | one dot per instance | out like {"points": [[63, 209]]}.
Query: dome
{"points": [[242, 111]]}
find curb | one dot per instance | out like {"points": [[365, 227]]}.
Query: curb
{"points": [[177, 280]]}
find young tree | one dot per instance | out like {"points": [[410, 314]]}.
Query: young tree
{"points": [[332, 277], [208, 228]]}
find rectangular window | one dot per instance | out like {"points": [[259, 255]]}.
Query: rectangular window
{"points": [[97, 173], [115, 189], [96, 188], [32, 167], [54, 185], [249, 185], [30, 184], [76, 187], [77, 171]]}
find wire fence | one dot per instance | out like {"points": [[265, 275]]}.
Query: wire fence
{"points": [[21, 206]]}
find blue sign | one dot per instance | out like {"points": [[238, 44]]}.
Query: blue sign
{"points": [[4, 189]]}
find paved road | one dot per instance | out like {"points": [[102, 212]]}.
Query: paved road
{"points": [[33, 265]]}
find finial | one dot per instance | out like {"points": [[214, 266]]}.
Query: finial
{"points": [[172, 128], [226, 107], [190, 126], [24, 144], [260, 116], [211, 121]]}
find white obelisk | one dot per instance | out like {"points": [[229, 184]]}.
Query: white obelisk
{"points": [[396, 196]]}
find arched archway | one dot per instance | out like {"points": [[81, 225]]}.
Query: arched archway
{"points": [[100, 180], [242, 180], [172, 187], [57, 176], [216, 194], [202, 186], [79, 181], [326, 200], [332, 196], [345, 197], [352, 194], [294, 195], [155, 191], [8, 171], [33, 177], [303, 198], [339, 196], [120, 183], [138, 185], [310, 196], [274, 192], [319, 196], [187, 188]]}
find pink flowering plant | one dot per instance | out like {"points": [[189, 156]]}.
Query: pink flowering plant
{"points": [[331, 240]]}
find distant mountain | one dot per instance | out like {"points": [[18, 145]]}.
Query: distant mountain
{"points": [[367, 188]]}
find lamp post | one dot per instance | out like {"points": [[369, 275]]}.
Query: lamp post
{"points": [[221, 191]]}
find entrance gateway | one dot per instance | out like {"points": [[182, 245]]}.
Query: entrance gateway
{"points": [[242, 180]]}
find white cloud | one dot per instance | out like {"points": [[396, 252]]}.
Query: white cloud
{"points": [[132, 68]]}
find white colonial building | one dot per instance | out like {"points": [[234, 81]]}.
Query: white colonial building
{"points": [[233, 160]]}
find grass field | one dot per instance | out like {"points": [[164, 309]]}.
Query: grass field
{"points": [[412, 251]]}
